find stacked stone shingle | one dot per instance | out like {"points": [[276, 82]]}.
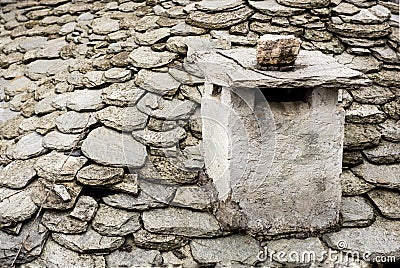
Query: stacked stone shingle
{"points": [[100, 159]]}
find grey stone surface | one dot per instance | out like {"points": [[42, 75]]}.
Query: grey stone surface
{"points": [[28, 146], [156, 82], [277, 50], [60, 141], [379, 239], [137, 257], [146, 240], [122, 119], [104, 25], [235, 248], [218, 20], [62, 222], [193, 197], [122, 94], [180, 222], [160, 108], [365, 113], [110, 147], [115, 222], [160, 139], [12, 243], [385, 153], [183, 29], [353, 185], [85, 100], [58, 167], [74, 122], [54, 256], [128, 185], [152, 36], [272, 8], [60, 196], [360, 30], [96, 175], [373, 95], [305, 4], [16, 205], [85, 208], [388, 202], [381, 175], [357, 211], [145, 57], [17, 174], [89, 242], [360, 136], [390, 130]]}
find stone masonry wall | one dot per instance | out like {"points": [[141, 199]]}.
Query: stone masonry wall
{"points": [[100, 131]]}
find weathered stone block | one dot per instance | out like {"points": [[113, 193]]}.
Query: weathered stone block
{"points": [[277, 49]]}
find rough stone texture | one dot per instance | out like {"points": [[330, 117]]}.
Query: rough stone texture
{"points": [[159, 139], [62, 222], [136, 257], [16, 206], [28, 146], [109, 147], [17, 174], [156, 82], [144, 57], [144, 239], [54, 255], [387, 202], [390, 130], [60, 141], [277, 50], [96, 175], [353, 185], [218, 20], [115, 222], [85, 100], [193, 197], [58, 167], [360, 30], [180, 222], [123, 119], [74, 122], [379, 239], [33, 245], [85, 208], [382, 175], [122, 94], [305, 4], [91, 241], [386, 153], [357, 211], [360, 136], [235, 248], [365, 113], [272, 8]]}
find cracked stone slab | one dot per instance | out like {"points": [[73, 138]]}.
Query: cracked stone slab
{"points": [[144, 239], [238, 68], [28, 146], [10, 244], [136, 257], [85, 208], [380, 239], [62, 222], [160, 108], [122, 94], [62, 195], [381, 175], [157, 82], [159, 139], [219, 20], [74, 122], [58, 166], [54, 256], [112, 221], [385, 153], [353, 185], [59, 141], [234, 248], [145, 57], [96, 175], [388, 202], [88, 242], [17, 174], [16, 205], [194, 197], [357, 211], [122, 118], [181, 222], [109, 147]]}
